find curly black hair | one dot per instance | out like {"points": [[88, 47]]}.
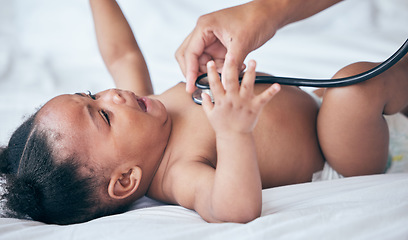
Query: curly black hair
{"points": [[40, 187]]}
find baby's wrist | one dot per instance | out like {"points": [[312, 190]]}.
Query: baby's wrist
{"points": [[233, 135]]}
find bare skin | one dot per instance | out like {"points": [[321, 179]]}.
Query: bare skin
{"points": [[217, 158], [352, 118]]}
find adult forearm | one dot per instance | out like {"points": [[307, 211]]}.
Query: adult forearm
{"points": [[284, 12]]}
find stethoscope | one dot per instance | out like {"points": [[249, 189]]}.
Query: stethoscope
{"points": [[203, 85]]}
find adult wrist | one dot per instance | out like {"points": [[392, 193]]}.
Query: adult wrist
{"points": [[284, 12], [276, 13]]}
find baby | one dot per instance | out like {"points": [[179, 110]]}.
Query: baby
{"points": [[83, 155]]}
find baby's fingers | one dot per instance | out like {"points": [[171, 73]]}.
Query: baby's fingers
{"points": [[248, 81], [214, 80], [268, 94]]}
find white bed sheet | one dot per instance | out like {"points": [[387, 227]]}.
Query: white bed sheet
{"points": [[369, 207], [47, 47]]}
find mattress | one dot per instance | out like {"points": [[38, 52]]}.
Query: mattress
{"points": [[367, 207]]}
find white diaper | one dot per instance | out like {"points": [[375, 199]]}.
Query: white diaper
{"points": [[310, 90], [328, 173]]}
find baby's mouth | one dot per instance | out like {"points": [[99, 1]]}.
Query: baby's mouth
{"points": [[142, 104]]}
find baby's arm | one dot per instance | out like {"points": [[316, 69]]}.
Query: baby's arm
{"points": [[233, 192], [119, 48]]}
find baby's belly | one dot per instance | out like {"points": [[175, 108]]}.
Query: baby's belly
{"points": [[286, 139]]}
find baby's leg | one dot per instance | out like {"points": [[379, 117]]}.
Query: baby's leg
{"points": [[352, 131]]}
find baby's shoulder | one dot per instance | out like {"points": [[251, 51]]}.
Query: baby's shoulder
{"points": [[176, 98], [178, 177]]}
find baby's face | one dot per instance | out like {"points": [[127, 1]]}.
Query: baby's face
{"points": [[111, 128]]}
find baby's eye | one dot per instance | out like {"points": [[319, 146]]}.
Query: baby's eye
{"points": [[105, 116], [91, 95]]}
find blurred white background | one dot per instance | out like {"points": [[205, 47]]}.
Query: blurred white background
{"points": [[48, 47]]}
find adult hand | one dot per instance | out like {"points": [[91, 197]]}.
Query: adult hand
{"points": [[234, 32], [231, 34]]}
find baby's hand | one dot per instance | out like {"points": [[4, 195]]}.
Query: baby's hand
{"points": [[236, 108]]}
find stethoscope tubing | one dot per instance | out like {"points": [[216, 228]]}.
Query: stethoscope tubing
{"points": [[325, 83]]}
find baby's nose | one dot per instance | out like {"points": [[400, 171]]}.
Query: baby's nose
{"points": [[115, 96], [118, 99]]}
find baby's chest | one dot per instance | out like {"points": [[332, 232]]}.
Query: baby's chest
{"points": [[193, 137]]}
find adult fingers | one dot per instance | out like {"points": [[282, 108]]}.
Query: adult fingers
{"points": [[202, 61], [194, 48], [230, 75], [180, 54], [188, 62], [236, 54], [191, 66]]}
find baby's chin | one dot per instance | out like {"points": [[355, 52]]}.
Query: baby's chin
{"points": [[156, 108]]}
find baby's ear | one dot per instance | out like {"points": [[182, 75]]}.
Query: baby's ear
{"points": [[124, 184]]}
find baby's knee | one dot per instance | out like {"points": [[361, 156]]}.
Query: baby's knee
{"points": [[365, 92], [354, 68], [368, 87]]}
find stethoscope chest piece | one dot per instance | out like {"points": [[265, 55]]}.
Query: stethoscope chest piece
{"points": [[203, 86], [197, 95]]}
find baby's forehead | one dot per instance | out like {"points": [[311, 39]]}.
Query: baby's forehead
{"points": [[58, 107], [62, 116], [66, 118]]}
